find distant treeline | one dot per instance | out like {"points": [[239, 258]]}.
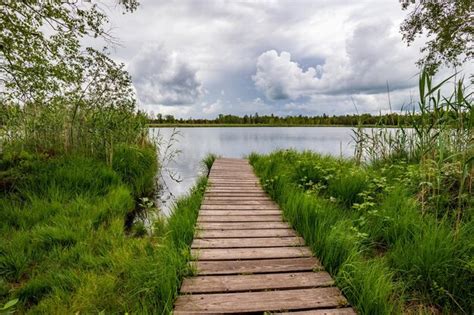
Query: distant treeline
{"points": [[392, 119]]}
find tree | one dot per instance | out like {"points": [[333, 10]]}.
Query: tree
{"points": [[41, 56], [68, 95], [449, 27]]}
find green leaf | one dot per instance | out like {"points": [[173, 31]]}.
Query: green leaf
{"points": [[9, 304]]}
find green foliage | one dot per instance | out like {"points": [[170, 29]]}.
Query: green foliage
{"points": [[446, 25], [208, 161], [432, 263], [72, 174], [59, 96], [387, 254], [63, 243], [137, 167], [9, 306], [13, 263], [366, 119], [396, 217], [348, 187], [439, 141], [64, 247], [41, 54], [369, 284]]}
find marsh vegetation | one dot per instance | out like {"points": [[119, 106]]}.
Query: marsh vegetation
{"points": [[394, 224], [77, 172]]}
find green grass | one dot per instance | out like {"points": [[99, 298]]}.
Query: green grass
{"points": [[136, 167], [208, 161], [367, 226], [64, 248]]}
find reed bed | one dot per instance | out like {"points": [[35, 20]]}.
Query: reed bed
{"points": [[394, 224], [65, 243]]}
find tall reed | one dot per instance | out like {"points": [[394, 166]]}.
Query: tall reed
{"points": [[439, 137]]}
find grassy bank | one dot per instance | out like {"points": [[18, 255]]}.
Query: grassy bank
{"points": [[394, 225], [366, 225], [66, 245]]}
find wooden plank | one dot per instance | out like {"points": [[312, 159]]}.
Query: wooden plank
{"points": [[227, 166], [242, 283], [241, 225], [256, 266], [215, 181], [248, 176], [247, 242], [250, 253], [247, 302], [229, 213], [232, 195], [244, 233], [235, 171], [232, 170], [234, 183], [233, 198], [331, 311], [236, 186], [232, 165], [256, 188], [236, 196], [216, 186], [233, 180], [238, 171], [239, 218], [228, 189], [257, 192], [240, 207], [222, 167], [238, 202], [248, 259], [233, 191]]}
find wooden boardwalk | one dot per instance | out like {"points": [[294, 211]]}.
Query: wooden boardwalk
{"points": [[248, 260]]}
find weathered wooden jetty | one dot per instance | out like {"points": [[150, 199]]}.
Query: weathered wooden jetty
{"points": [[247, 259]]}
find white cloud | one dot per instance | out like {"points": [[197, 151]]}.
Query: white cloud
{"points": [[280, 78], [375, 55], [213, 108], [372, 58], [164, 78], [338, 49]]}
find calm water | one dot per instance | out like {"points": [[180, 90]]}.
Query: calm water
{"points": [[194, 144]]}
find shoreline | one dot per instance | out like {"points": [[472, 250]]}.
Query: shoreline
{"points": [[259, 126]]}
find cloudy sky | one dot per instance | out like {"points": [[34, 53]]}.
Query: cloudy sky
{"points": [[201, 58]]}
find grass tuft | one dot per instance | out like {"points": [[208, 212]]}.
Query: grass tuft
{"points": [[63, 243], [386, 254], [208, 161]]}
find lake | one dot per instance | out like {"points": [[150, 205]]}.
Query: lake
{"points": [[192, 144]]}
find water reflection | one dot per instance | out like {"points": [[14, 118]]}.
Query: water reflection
{"points": [[195, 143]]}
